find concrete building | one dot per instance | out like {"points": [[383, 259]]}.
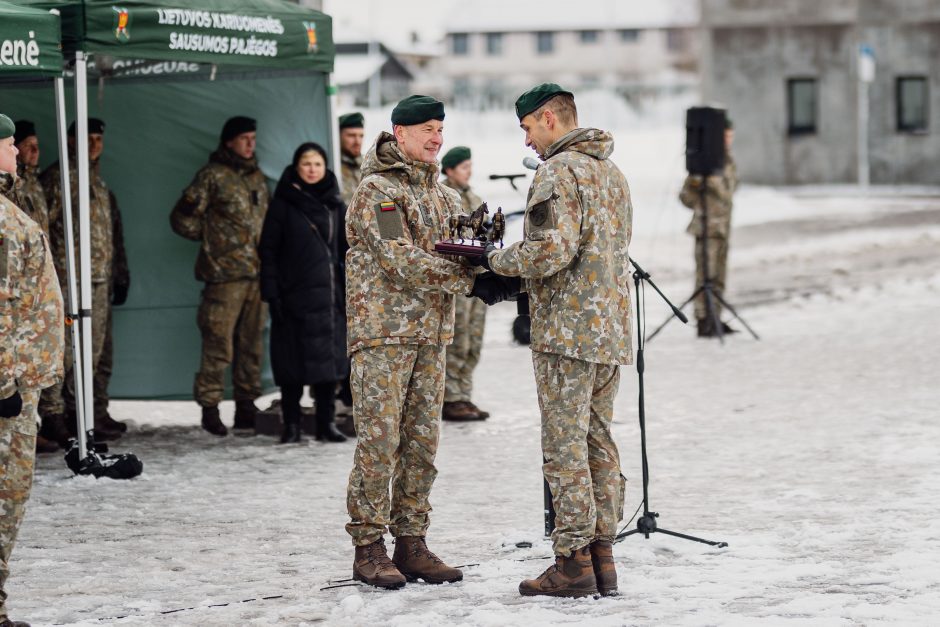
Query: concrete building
{"points": [[789, 72], [363, 66], [493, 49]]}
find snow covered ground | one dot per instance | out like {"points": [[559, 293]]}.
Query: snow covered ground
{"points": [[813, 452]]}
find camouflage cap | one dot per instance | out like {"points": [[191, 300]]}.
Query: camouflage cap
{"points": [[7, 127], [536, 97], [24, 129], [417, 109], [455, 156], [351, 120]]}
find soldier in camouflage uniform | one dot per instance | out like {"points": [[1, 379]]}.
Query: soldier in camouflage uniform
{"points": [[719, 193], [29, 195], [575, 264], [463, 354], [350, 145], [400, 309], [102, 255], [31, 346], [223, 209]]}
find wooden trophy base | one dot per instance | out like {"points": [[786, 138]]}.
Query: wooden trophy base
{"points": [[467, 249]]}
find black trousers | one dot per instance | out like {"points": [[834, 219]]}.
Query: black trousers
{"points": [[323, 395]]}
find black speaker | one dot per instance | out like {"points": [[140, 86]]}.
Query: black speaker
{"points": [[705, 140]]}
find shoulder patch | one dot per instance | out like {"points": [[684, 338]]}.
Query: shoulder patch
{"points": [[389, 221]]}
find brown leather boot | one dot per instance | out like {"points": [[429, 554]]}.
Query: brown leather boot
{"points": [[483, 414], [416, 561], [6, 622], [602, 558], [571, 576], [458, 411], [372, 566]]}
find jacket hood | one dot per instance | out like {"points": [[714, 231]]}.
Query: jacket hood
{"points": [[385, 156], [589, 141], [291, 189], [226, 157], [6, 184]]}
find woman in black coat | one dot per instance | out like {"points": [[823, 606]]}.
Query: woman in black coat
{"points": [[302, 249]]}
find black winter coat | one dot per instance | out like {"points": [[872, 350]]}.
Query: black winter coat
{"points": [[302, 250]]}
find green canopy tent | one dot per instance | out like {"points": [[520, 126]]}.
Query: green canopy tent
{"points": [[164, 79]]}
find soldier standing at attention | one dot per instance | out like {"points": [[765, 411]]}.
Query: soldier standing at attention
{"points": [[102, 259], [469, 313], [223, 209], [31, 346], [575, 263], [719, 193], [400, 310], [350, 146], [30, 197]]}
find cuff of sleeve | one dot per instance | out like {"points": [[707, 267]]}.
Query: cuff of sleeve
{"points": [[8, 389], [464, 283]]}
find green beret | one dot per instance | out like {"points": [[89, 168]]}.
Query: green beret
{"points": [[729, 124], [536, 97], [95, 127], [7, 128], [455, 156], [351, 120], [417, 109]]}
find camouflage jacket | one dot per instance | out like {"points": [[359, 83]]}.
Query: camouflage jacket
{"points": [[352, 175], [719, 190], [398, 290], [468, 200], [30, 197], [102, 242], [578, 224], [223, 209], [32, 322], [120, 272]]}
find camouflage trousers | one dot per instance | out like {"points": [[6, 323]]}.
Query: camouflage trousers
{"points": [[231, 318], [463, 354], [398, 391], [17, 454], [717, 270], [582, 464], [60, 398]]}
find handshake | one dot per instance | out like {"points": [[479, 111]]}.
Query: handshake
{"points": [[490, 287]]}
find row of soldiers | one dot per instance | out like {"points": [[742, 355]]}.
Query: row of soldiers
{"points": [[39, 195]]}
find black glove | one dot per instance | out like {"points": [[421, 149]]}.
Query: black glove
{"points": [[492, 288], [484, 259], [276, 309], [11, 407], [119, 294], [522, 325]]}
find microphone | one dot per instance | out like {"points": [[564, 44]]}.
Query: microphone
{"points": [[494, 177], [530, 163]]}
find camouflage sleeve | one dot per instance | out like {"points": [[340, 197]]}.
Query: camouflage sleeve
{"points": [[188, 216], [395, 250], [52, 186], [690, 196], [553, 227], [120, 272]]}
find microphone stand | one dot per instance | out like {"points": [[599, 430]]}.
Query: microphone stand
{"points": [[646, 524]]}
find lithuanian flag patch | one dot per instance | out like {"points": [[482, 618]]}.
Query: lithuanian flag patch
{"points": [[386, 206]]}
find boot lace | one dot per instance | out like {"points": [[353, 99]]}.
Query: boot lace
{"points": [[378, 556], [421, 548]]}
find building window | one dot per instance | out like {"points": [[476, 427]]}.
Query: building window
{"points": [[460, 43], [912, 103], [629, 35], [675, 40], [589, 36], [494, 44], [545, 42], [801, 106]]}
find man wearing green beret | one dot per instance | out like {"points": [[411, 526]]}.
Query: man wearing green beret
{"points": [[32, 324], [469, 313], [719, 192], [400, 311], [575, 266], [351, 134]]}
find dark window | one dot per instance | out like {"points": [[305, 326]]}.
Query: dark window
{"points": [[801, 106], [589, 36], [912, 103], [461, 43], [494, 44], [545, 42], [675, 40], [629, 34]]}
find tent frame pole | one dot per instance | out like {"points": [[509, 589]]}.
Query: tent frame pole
{"points": [[71, 311]]}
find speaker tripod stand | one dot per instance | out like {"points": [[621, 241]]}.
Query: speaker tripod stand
{"points": [[707, 288], [647, 524]]}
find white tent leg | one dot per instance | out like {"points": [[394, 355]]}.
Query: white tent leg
{"points": [[72, 290], [84, 231], [334, 130]]}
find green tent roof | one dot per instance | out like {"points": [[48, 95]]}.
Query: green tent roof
{"points": [[259, 33], [29, 41]]}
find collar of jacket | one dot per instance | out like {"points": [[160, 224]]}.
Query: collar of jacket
{"points": [[449, 182], [6, 184], [573, 137], [26, 171], [224, 156], [386, 155], [351, 160]]}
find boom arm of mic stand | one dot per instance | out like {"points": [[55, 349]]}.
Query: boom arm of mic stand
{"points": [[645, 276]]}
